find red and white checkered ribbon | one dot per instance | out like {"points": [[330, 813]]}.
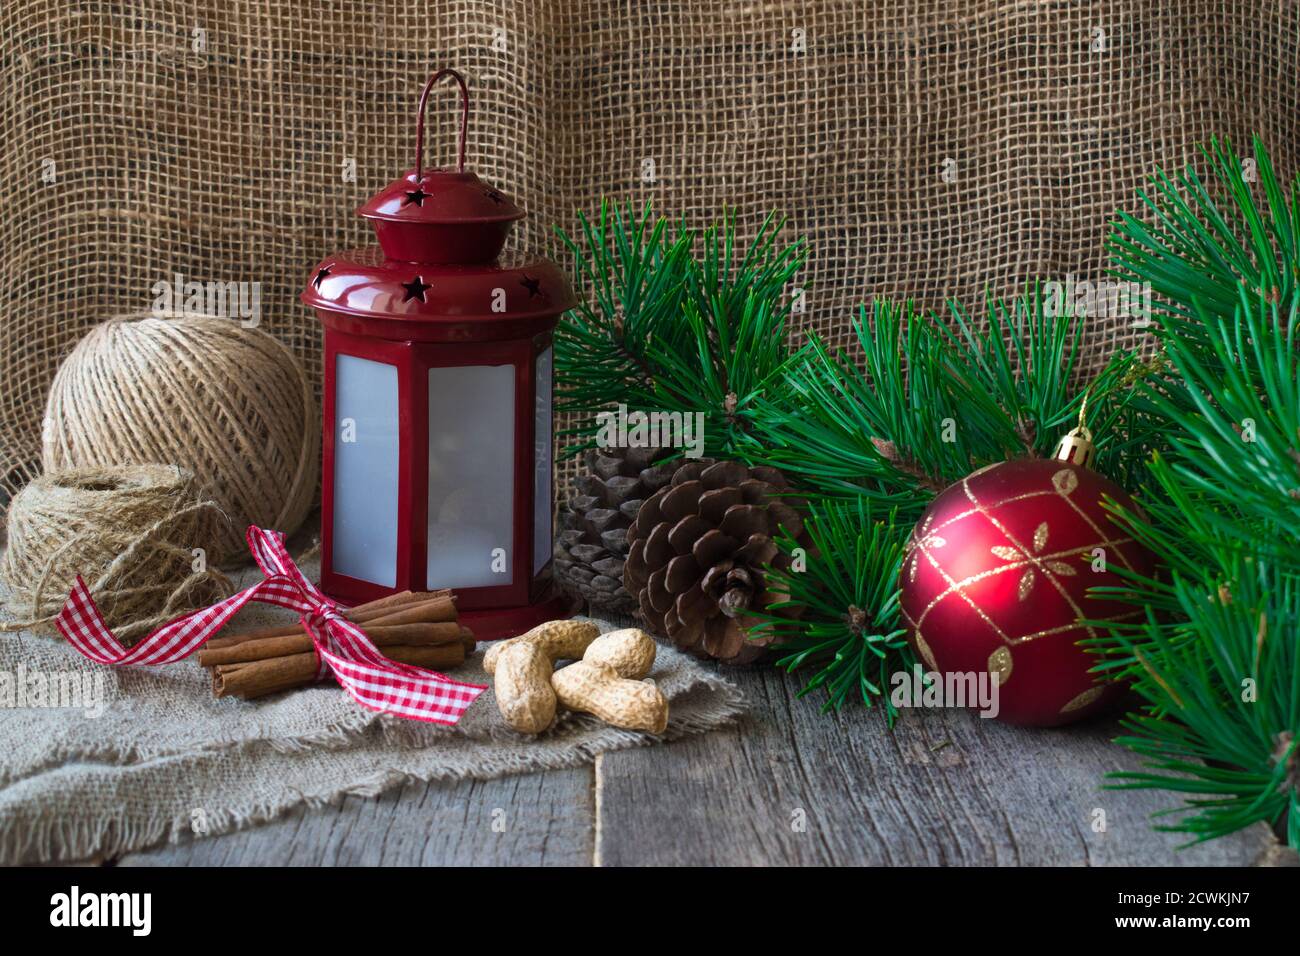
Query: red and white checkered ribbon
{"points": [[371, 679]]}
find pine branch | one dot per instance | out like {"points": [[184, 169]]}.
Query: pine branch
{"points": [[1203, 245], [630, 280], [1219, 492], [660, 329], [848, 631], [931, 403], [1216, 658], [1224, 715]]}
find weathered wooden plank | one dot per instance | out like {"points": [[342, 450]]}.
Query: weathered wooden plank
{"points": [[528, 819], [788, 786], [791, 785]]}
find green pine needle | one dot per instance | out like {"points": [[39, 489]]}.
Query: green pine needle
{"points": [[1224, 715], [844, 587], [932, 402], [1206, 241], [1216, 657], [674, 321]]}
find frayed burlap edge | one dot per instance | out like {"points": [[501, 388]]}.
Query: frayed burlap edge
{"points": [[701, 702]]}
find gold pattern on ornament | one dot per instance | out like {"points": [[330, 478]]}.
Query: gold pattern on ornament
{"points": [[1040, 536], [1000, 664], [933, 541], [926, 653], [1041, 562], [1065, 481], [1037, 562], [957, 589], [1111, 544], [927, 542], [1089, 696]]}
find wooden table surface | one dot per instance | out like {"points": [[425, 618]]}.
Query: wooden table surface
{"points": [[787, 785]]}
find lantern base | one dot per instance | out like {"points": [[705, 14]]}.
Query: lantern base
{"points": [[493, 624]]}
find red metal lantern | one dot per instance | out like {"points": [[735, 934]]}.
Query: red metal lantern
{"points": [[437, 410]]}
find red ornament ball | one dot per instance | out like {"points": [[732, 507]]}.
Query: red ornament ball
{"points": [[996, 576]]}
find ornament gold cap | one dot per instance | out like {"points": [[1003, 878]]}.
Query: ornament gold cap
{"points": [[1077, 447]]}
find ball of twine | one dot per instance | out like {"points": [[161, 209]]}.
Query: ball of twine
{"points": [[228, 403], [129, 531]]}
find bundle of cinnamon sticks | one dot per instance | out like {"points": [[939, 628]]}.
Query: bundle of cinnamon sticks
{"points": [[413, 627]]}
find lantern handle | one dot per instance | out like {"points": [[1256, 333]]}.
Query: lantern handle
{"points": [[419, 122]]}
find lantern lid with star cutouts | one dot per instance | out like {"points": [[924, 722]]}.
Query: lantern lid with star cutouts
{"points": [[438, 274]]}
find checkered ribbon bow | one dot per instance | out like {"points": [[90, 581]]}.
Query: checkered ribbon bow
{"points": [[343, 648]]}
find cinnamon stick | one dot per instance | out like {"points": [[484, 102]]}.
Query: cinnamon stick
{"points": [[417, 634], [386, 607], [434, 606], [434, 610], [401, 597], [251, 679]]}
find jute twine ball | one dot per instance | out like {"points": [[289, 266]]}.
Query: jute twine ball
{"points": [[129, 531], [228, 403]]}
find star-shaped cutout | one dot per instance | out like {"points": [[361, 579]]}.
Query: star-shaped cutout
{"points": [[534, 286], [415, 289], [495, 196], [416, 195], [321, 277]]}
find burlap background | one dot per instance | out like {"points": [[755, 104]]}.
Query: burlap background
{"points": [[925, 148]]}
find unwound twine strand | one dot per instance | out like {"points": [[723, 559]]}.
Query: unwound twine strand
{"points": [[228, 403], [129, 531]]}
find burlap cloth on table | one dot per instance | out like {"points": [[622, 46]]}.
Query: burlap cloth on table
{"points": [[164, 759], [927, 148]]}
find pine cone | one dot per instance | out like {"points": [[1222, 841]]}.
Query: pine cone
{"points": [[697, 553], [592, 543]]}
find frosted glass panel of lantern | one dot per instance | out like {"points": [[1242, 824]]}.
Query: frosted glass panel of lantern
{"points": [[365, 470], [471, 476], [542, 462]]}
